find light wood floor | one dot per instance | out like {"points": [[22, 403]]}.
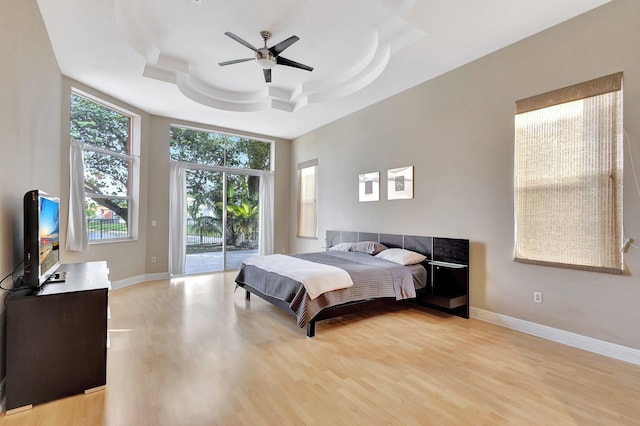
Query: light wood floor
{"points": [[193, 352]]}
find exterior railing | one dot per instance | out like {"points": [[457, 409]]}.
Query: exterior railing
{"points": [[204, 231], [106, 229]]}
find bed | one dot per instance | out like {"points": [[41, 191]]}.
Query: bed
{"points": [[382, 268]]}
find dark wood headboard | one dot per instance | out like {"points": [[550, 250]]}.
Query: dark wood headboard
{"points": [[451, 250]]}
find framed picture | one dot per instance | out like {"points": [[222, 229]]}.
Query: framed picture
{"points": [[369, 186], [400, 183]]}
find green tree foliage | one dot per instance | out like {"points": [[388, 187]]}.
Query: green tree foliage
{"points": [[242, 213], [204, 190], [197, 146], [242, 222], [99, 126]]}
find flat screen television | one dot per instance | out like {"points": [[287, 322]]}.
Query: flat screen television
{"points": [[41, 237]]}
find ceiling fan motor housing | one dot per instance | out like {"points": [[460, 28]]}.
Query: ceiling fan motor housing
{"points": [[265, 58]]}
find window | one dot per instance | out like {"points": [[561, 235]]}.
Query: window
{"points": [[308, 199], [106, 137], [226, 207], [219, 149], [568, 177]]}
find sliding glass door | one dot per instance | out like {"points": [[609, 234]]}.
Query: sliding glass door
{"points": [[242, 216], [222, 220], [205, 241], [223, 191]]}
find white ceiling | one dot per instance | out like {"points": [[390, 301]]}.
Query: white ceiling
{"points": [[162, 55]]}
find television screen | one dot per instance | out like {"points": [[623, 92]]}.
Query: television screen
{"points": [[48, 230], [41, 238]]}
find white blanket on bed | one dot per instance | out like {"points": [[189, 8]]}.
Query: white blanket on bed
{"points": [[316, 277]]}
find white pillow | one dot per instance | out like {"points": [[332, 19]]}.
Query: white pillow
{"points": [[341, 247], [401, 256]]}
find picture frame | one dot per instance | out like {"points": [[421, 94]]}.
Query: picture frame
{"points": [[369, 186], [400, 183]]}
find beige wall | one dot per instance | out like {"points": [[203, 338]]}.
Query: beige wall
{"points": [[29, 127], [457, 130]]}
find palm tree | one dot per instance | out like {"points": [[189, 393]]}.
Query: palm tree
{"points": [[243, 219]]}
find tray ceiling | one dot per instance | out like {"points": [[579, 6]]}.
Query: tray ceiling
{"points": [[162, 55]]}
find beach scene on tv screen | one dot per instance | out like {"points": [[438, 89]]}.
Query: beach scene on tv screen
{"points": [[49, 223]]}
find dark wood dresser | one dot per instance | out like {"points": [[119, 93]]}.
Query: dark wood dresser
{"points": [[57, 337]]}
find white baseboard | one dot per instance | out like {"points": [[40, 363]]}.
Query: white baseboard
{"points": [[139, 279], [590, 344]]}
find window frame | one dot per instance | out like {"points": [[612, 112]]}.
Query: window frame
{"points": [[303, 207], [133, 170]]}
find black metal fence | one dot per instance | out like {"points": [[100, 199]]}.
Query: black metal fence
{"points": [[106, 229], [207, 231], [204, 231]]}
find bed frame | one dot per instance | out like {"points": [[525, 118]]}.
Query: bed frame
{"points": [[440, 252]]}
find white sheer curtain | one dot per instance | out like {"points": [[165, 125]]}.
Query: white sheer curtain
{"points": [[177, 217], [77, 239], [265, 239]]}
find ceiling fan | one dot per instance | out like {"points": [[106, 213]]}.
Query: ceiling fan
{"points": [[267, 57]]}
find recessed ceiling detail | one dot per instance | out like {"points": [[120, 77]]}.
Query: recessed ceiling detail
{"points": [[182, 43], [158, 55]]}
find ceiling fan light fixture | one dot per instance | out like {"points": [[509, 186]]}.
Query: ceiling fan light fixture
{"points": [[265, 59], [266, 63]]}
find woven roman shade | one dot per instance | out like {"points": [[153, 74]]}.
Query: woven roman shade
{"points": [[569, 177]]}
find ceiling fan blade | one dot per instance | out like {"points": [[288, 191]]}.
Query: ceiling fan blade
{"points": [[279, 48], [236, 61], [267, 75], [288, 62], [239, 40]]}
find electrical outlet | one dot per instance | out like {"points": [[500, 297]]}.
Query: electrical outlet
{"points": [[153, 259], [537, 296]]}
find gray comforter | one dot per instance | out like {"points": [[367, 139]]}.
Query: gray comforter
{"points": [[372, 278]]}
